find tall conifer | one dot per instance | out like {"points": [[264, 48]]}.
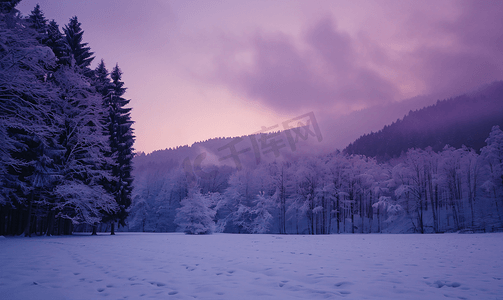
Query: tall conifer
{"points": [[57, 43], [80, 51], [121, 144], [37, 20]]}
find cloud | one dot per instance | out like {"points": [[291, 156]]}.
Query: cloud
{"points": [[328, 73], [331, 71], [470, 54], [353, 82]]}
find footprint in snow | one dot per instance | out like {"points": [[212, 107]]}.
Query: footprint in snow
{"points": [[343, 284], [440, 283], [157, 283]]}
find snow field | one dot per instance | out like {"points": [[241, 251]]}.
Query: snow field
{"points": [[227, 266]]}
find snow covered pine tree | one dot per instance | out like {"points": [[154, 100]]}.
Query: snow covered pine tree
{"points": [[121, 140]]}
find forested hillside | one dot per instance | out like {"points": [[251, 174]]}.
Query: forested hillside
{"points": [[65, 131], [463, 120]]}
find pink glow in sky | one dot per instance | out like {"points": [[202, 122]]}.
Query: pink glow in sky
{"points": [[202, 69]]}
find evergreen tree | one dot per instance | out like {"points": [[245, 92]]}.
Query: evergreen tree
{"points": [[37, 20], [57, 43], [195, 216], [28, 124], [80, 51], [101, 82], [82, 137], [121, 146], [262, 218], [7, 6], [53, 142]]}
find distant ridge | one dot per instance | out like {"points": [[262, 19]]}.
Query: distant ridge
{"points": [[463, 120], [268, 147]]}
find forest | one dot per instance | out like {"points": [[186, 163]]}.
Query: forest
{"points": [[463, 120], [422, 191], [66, 133], [67, 161]]}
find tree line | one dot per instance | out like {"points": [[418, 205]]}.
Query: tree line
{"points": [[422, 191], [66, 136]]}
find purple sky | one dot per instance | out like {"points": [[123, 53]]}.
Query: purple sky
{"points": [[202, 69]]}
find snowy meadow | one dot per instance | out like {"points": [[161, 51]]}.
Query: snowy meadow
{"points": [[229, 266]]}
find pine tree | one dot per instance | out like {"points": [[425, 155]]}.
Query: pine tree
{"points": [[52, 137], [121, 146], [195, 216], [37, 20], [262, 218], [102, 82], [27, 125], [80, 51], [57, 43], [82, 137], [7, 6]]}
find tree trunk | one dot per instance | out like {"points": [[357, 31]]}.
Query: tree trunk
{"points": [[352, 218], [338, 214], [378, 219], [68, 227], [2, 220], [61, 222], [362, 213], [50, 223], [95, 225], [282, 203], [112, 230], [27, 229], [8, 215], [421, 213], [297, 219]]}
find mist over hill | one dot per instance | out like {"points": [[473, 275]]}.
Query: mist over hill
{"points": [[336, 133]]}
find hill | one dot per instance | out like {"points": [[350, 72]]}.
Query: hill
{"points": [[463, 120]]}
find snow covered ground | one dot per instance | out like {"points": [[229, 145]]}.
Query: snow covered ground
{"points": [[225, 266]]}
